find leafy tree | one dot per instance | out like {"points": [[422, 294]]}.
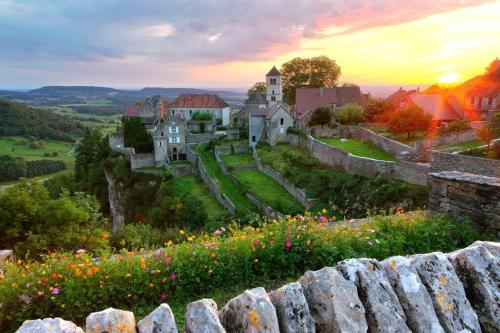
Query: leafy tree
{"points": [[258, 86], [136, 136], [312, 72], [455, 126], [349, 114], [350, 84], [377, 110], [202, 116], [12, 168], [409, 120], [321, 116]]}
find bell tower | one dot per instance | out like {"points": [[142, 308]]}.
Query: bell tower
{"points": [[274, 91]]}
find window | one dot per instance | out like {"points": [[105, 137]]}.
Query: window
{"points": [[174, 150], [281, 121], [173, 112], [273, 98], [169, 129], [170, 140], [253, 138], [160, 143], [273, 81], [282, 130], [176, 129], [190, 112], [480, 101], [490, 100], [161, 133], [273, 91]]}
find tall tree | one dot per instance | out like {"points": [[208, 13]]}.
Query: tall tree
{"points": [[378, 110], [409, 120], [312, 72], [136, 136], [258, 86], [321, 116]]}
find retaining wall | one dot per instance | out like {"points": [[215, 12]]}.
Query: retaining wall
{"points": [[422, 146], [388, 145], [442, 161], [465, 194], [413, 173], [138, 161]]}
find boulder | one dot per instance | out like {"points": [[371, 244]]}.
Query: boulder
{"points": [[111, 321], [292, 309], [250, 312], [333, 301], [161, 320], [202, 316], [447, 293], [479, 272], [383, 311], [412, 295], [493, 247], [55, 325]]}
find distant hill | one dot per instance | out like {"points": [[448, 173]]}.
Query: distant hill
{"points": [[18, 119]]}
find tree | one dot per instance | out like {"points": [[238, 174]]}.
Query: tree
{"points": [[493, 69], [455, 126], [321, 116], [258, 86], [350, 84], [87, 151], [377, 110], [136, 136], [349, 114], [410, 119], [312, 72]]}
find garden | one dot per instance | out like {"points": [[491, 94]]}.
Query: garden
{"points": [[237, 160], [358, 148], [72, 285]]}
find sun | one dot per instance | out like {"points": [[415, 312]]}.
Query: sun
{"points": [[449, 78]]}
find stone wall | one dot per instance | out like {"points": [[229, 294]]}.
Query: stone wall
{"points": [[203, 137], [442, 161], [180, 171], [233, 134], [465, 194], [435, 292], [390, 146], [413, 173], [325, 132], [138, 161], [297, 193], [422, 146]]}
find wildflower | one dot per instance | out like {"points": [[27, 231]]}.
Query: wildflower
{"points": [[129, 295], [190, 238], [256, 243], [54, 276], [172, 277], [322, 219], [105, 235], [217, 232], [288, 244], [182, 232], [164, 280], [163, 296], [213, 254], [130, 254], [270, 233], [323, 211], [80, 251], [63, 305], [151, 285], [159, 254], [223, 229], [55, 291], [25, 298], [210, 271], [78, 272]]}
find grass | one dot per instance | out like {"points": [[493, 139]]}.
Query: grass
{"points": [[11, 145], [179, 164], [403, 138], [192, 185], [106, 123], [227, 143], [460, 146], [268, 191], [233, 192], [358, 148], [238, 159]]}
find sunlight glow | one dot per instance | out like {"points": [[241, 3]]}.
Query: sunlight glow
{"points": [[449, 78]]}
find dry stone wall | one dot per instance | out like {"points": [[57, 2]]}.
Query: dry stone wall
{"points": [[442, 161], [435, 292], [390, 146]]}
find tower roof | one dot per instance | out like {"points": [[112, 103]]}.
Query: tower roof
{"points": [[274, 72]]}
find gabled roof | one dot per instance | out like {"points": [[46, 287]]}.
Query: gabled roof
{"points": [[132, 110], [435, 105], [257, 98], [309, 99], [267, 112], [400, 96], [198, 101], [273, 72]]}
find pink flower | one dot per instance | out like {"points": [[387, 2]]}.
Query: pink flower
{"points": [[168, 268], [322, 219], [172, 277], [217, 232], [55, 291], [288, 244], [159, 254], [168, 259], [80, 251], [163, 296], [256, 243]]}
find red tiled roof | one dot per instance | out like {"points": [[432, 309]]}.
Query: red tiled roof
{"points": [[400, 96], [435, 105], [198, 101], [309, 99], [132, 110]]}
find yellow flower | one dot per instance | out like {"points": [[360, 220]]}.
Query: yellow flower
{"points": [[128, 275], [210, 271], [271, 233], [62, 306], [323, 211], [181, 232]]}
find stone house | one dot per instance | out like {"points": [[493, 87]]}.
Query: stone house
{"points": [[169, 139], [269, 124], [190, 104]]}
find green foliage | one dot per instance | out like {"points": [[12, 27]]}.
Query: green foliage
{"points": [[258, 86], [409, 120], [202, 116], [43, 167], [455, 126], [349, 114], [312, 72], [137, 236], [34, 223], [377, 110], [18, 119], [13, 168], [279, 250], [321, 116], [136, 136]]}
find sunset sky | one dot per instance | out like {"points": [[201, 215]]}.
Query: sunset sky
{"points": [[217, 43]]}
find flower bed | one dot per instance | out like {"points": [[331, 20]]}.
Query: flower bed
{"points": [[73, 285]]}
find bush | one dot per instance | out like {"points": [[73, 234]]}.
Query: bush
{"points": [[12, 168], [43, 167], [321, 116], [349, 114], [136, 236], [202, 116], [454, 127], [35, 145], [297, 131], [72, 286]]}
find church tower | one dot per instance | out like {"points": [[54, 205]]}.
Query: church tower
{"points": [[274, 91]]}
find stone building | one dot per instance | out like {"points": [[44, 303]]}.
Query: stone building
{"points": [[190, 104]]}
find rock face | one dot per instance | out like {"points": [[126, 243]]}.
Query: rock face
{"points": [[161, 320], [292, 309], [202, 316], [479, 272], [333, 301], [412, 295], [56, 325], [111, 321], [116, 199], [447, 293], [250, 312], [384, 313]]}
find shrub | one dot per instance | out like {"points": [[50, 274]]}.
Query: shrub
{"points": [[349, 114], [409, 120], [136, 236], [454, 127], [35, 145], [321, 116], [12, 168], [43, 167], [297, 131], [202, 116], [72, 286]]}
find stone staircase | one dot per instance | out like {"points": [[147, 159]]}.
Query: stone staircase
{"points": [[435, 292]]}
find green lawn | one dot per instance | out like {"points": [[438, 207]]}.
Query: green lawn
{"points": [[226, 143], [192, 185], [238, 159], [275, 157], [460, 146], [268, 191], [18, 146], [233, 192], [358, 148], [179, 164], [106, 123]]}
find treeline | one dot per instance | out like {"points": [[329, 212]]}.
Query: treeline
{"points": [[13, 168], [18, 119], [104, 110]]}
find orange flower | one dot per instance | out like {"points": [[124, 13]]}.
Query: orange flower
{"points": [[54, 276], [78, 272], [95, 269], [130, 254], [213, 254], [151, 285], [90, 271]]}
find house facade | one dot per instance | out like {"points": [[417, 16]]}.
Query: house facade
{"points": [[190, 104]]}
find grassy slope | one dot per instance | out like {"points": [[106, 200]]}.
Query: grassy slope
{"points": [[234, 193], [267, 190], [359, 148], [239, 159], [460, 146], [192, 185], [106, 123], [9, 145]]}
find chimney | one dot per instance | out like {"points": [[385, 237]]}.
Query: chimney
{"points": [[320, 92], [400, 88], [418, 89]]}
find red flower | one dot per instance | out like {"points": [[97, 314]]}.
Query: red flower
{"points": [[288, 244]]}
